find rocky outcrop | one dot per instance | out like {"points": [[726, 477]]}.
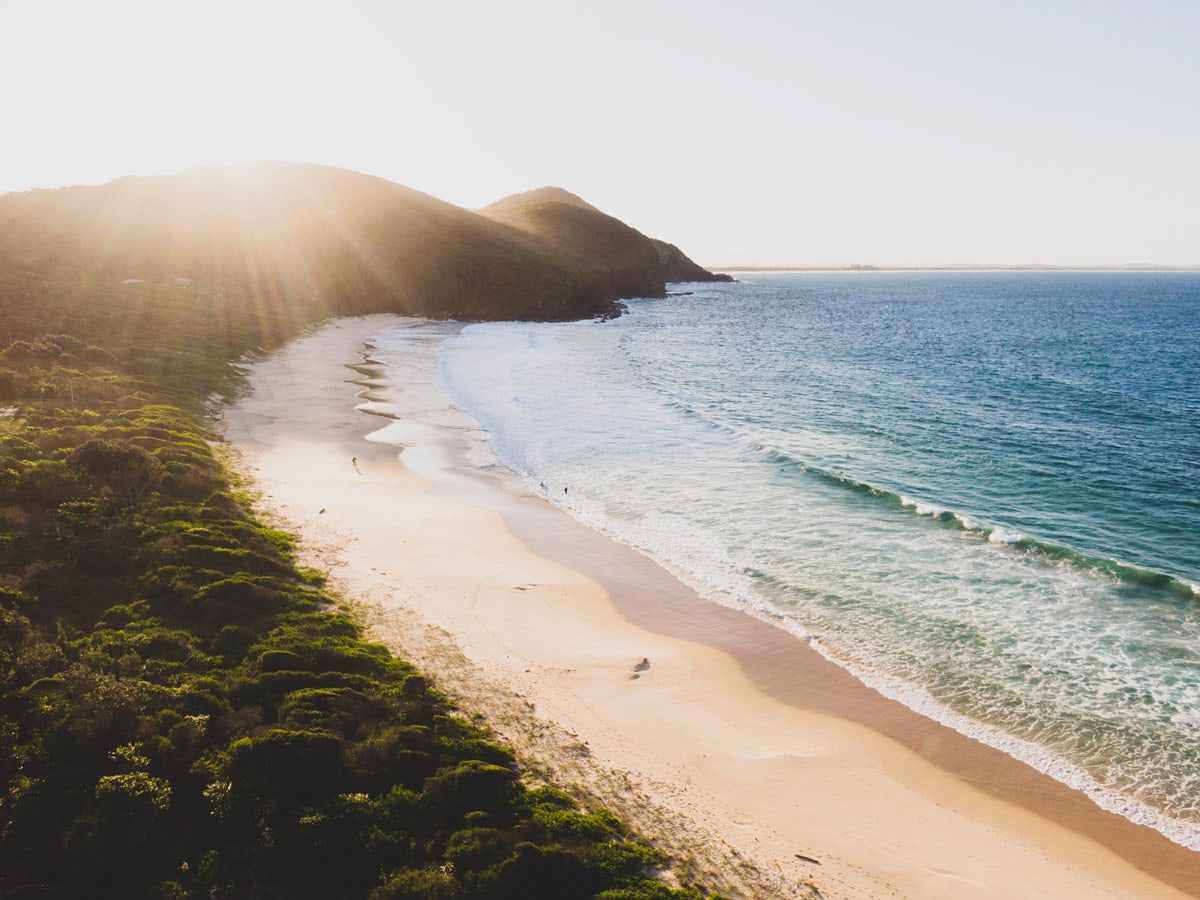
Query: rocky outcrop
{"points": [[677, 267]]}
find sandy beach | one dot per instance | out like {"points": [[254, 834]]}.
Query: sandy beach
{"points": [[765, 769]]}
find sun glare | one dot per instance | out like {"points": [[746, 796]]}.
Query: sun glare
{"points": [[899, 137], [141, 89]]}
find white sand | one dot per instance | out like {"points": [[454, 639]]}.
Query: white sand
{"points": [[727, 742]]}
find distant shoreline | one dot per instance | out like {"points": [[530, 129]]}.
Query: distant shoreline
{"points": [[958, 268]]}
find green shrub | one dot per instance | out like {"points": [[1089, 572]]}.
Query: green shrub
{"points": [[179, 714], [422, 884]]}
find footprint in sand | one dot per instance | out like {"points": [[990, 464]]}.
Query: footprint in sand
{"points": [[639, 668]]}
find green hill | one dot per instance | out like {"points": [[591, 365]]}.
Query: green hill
{"points": [[335, 241], [595, 249]]}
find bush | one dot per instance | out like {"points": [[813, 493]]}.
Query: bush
{"points": [[128, 471], [419, 885], [10, 385]]}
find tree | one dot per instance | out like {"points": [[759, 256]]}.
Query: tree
{"points": [[128, 471]]}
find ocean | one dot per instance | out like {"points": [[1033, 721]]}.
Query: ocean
{"points": [[980, 492]]}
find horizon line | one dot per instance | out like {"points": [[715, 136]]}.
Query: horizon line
{"points": [[966, 267]]}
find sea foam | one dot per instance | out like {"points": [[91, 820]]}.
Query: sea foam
{"points": [[867, 488]]}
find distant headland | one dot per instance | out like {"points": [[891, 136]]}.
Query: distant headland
{"points": [[967, 267], [342, 243]]}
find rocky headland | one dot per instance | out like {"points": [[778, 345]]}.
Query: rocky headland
{"points": [[337, 242]]}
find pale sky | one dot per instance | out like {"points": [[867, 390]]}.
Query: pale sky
{"points": [[811, 132]]}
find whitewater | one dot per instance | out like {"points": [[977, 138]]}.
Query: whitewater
{"points": [[977, 491]]}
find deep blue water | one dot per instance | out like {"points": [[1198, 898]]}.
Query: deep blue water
{"points": [[978, 491]]}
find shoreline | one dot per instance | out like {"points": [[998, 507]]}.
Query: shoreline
{"points": [[721, 737], [984, 268]]}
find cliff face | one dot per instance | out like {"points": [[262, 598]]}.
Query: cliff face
{"points": [[341, 241]]}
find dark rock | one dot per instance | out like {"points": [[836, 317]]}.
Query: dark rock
{"points": [[677, 267]]}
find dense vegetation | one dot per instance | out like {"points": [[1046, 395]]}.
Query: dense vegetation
{"points": [[184, 712]]}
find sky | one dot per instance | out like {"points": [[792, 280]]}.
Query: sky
{"points": [[766, 132]]}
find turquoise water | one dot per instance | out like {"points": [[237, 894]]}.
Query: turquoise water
{"points": [[978, 491]]}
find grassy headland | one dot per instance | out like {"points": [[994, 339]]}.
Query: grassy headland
{"points": [[317, 241]]}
